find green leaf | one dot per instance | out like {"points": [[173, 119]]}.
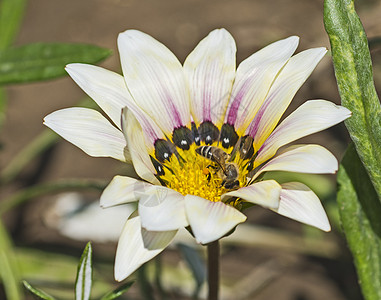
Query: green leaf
{"points": [[360, 212], [84, 275], [8, 267], [43, 61], [40, 294], [3, 107], [353, 70], [11, 13], [118, 291]]}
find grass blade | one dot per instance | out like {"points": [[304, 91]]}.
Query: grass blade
{"points": [[37, 292], [118, 291]]}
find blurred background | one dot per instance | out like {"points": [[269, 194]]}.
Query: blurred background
{"points": [[269, 257]]}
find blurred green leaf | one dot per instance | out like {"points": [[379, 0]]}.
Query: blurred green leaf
{"points": [[118, 291], [40, 294], [360, 212], [84, 275], [195, 264], [3, 107], [11, 13], [43, 61], [353, 70], [8, 269]]}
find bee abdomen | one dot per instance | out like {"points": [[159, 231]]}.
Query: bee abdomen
{"points": [[205, 151]]}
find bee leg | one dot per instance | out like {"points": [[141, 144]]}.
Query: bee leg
{"points": [[223, 182], [214, 168]]}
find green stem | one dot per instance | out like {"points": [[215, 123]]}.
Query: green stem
{"points": [[213, 269], [49, 188]]}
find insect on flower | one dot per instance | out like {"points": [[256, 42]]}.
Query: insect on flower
{"points": [[199, 135]]}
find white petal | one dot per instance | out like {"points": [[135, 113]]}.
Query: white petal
{"points": [[137, 246], [155, 78], [109, 91], [311, 117], [253, 80], [210, 220], [138, 147], [90, 131], [163, 210], [265, 193], [299, 203], [210, 70], [106, 88], [312, 159], [288, 82], [122, 190]]}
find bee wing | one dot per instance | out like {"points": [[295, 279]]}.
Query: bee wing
{"points": [[220, 161], [234, 151]]}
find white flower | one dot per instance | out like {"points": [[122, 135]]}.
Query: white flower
{"points": [[167, 115]]}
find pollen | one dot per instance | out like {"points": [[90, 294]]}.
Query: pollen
{"points": [[193, 177]]}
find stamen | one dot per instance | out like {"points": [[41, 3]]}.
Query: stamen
{"points": [[195, 174]]}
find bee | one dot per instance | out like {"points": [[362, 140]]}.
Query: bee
{"points": [[226, 170]]}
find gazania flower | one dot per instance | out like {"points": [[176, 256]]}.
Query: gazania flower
{"points": [[200, 136]]}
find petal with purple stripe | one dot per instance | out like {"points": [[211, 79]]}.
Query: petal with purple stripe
{"points": [[210, 70], [109, 91], [155, 78], [289, 80], [253, 79], [313, 116]]}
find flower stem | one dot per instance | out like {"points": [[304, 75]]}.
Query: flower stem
{"points": [[213, 269]]}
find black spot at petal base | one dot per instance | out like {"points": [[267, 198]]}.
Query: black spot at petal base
{"points": [[182, 137], [209, 132], [229, 136]]}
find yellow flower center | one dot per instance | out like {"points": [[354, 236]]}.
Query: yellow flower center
{"points": [[191, 173]]}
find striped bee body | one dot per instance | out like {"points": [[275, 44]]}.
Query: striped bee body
{"points": [[225, 170]]}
